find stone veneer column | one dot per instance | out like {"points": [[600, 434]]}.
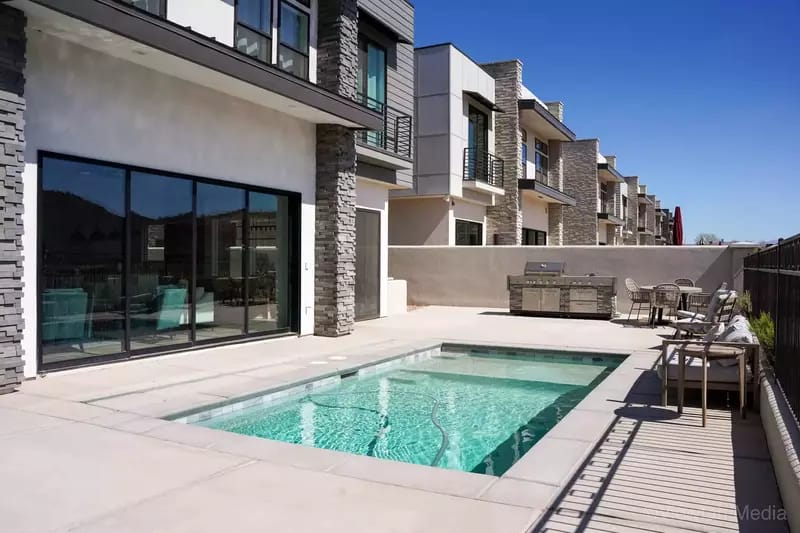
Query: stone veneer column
{"points": [[632, 223], [580, 181], [555, 179], [505, 218], [335, 244], [12, 163]]}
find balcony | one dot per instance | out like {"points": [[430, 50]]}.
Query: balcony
{"points": [[606, 214], [483, 167], [394, 138]]}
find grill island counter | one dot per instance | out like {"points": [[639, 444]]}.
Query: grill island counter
{"points": [[544, 290]]}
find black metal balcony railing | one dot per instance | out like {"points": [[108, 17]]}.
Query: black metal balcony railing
{"points": [[395, 136], [483, 166]]}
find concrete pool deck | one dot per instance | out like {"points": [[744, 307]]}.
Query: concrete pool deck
{"points": [[86, 450]]}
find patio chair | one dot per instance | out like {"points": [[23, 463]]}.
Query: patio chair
{"points": [[637, 296], [684, 282], [665, 298], [698, 302], [720, 311]]}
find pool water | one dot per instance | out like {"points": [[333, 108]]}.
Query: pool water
{"points": [[475, 412]]}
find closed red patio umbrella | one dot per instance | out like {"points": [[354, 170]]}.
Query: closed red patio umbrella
{"points": [[677, 230]]}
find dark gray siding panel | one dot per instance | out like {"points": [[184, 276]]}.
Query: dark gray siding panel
{"points": [[399, 16], [396, 14]]}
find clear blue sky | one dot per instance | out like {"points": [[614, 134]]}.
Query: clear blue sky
{"points": [[700, 98]]}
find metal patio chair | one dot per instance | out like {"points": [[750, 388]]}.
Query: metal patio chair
{"points": [[637, 296]]}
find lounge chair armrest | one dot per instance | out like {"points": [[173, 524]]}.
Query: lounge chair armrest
{"points": [[699, 342]]}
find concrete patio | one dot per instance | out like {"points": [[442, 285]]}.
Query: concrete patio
{"points": [[86, 450]]}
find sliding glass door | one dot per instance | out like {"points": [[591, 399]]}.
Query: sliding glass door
{"points": [[160, 260], [219, 311], [82, 225], [135, 261]]}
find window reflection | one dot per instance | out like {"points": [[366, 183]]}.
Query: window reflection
{"points": [[83, 222], [220, 276], [161, 260]]}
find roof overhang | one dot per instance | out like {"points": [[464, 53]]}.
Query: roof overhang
{"points": [[537, 117], [608, 218], [551, 195], [484, 101], [646, 231], [125, 32], [644, 199], [384, 28], [608, 173]]}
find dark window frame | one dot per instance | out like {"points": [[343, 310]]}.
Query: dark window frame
{"points": [[161, 14], [542, 154], [268, 36], [471, 225], [366, 40], [293, 251], [538, 237], [308, 12], [524, 152]]}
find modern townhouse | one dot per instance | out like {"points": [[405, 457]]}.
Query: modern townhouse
{"points": [[179, 173], [663, 226], [488, 164], [646, 217]]}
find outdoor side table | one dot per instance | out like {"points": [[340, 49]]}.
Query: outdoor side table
{"points": [[718, 352]]}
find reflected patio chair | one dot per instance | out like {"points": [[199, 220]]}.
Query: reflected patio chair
{"points": [[684, 282], [637, 296], [171, 307]]}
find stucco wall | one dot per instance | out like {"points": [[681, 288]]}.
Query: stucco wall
{"points": [[85, 103], [419, 220], [534, 213], [375, 197], [476, 276]]}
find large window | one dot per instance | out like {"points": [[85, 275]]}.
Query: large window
{"points": [[524, 154], [294, 38], [136, 261], [469, 233], [534, 237], [156, 7], [542, 161], [256, 26], [604, 198], [371, 83]]}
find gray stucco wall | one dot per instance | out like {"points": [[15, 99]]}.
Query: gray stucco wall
{"points": [[476, 276]]}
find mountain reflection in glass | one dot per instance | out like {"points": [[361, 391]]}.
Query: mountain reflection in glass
{"points": [[161, 260], [82, 311]]}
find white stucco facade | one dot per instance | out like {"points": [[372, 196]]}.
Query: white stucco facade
{"points": [[374, 196], [84, 103]]}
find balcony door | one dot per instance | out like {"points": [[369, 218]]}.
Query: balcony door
{"points": [[372, 83], [477, 144], [368, 264]]}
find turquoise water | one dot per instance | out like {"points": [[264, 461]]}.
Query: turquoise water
{"points": [[476, 413]]}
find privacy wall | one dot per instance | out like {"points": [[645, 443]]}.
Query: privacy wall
{"points": [[476, 276]]}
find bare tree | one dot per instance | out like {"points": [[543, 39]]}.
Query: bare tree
{"points": [[707, 238]]}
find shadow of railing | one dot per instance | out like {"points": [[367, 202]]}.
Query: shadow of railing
{"points": [[654, 470]]}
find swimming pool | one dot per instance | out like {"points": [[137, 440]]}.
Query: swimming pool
{"points": [[473, 410]]}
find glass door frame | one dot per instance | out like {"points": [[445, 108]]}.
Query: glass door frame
{"points": [[377, 314], [293, 251]]}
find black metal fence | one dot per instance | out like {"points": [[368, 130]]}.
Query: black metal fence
{"points": [[772, 276]]}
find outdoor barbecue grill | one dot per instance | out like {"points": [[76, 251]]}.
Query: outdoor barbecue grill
{"points": [[545, 290]]}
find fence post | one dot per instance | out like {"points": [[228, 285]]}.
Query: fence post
{"points": [[776, 318]]}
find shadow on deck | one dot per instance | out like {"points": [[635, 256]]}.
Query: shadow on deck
{"points": [[657, 471]]}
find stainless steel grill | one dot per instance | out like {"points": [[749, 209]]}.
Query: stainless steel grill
{"points": [[547, 268]]}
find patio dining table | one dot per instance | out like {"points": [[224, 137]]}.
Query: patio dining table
{"points": [[685, 292]]}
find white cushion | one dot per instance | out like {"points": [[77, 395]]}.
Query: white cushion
{"points": [[738, 330]]}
